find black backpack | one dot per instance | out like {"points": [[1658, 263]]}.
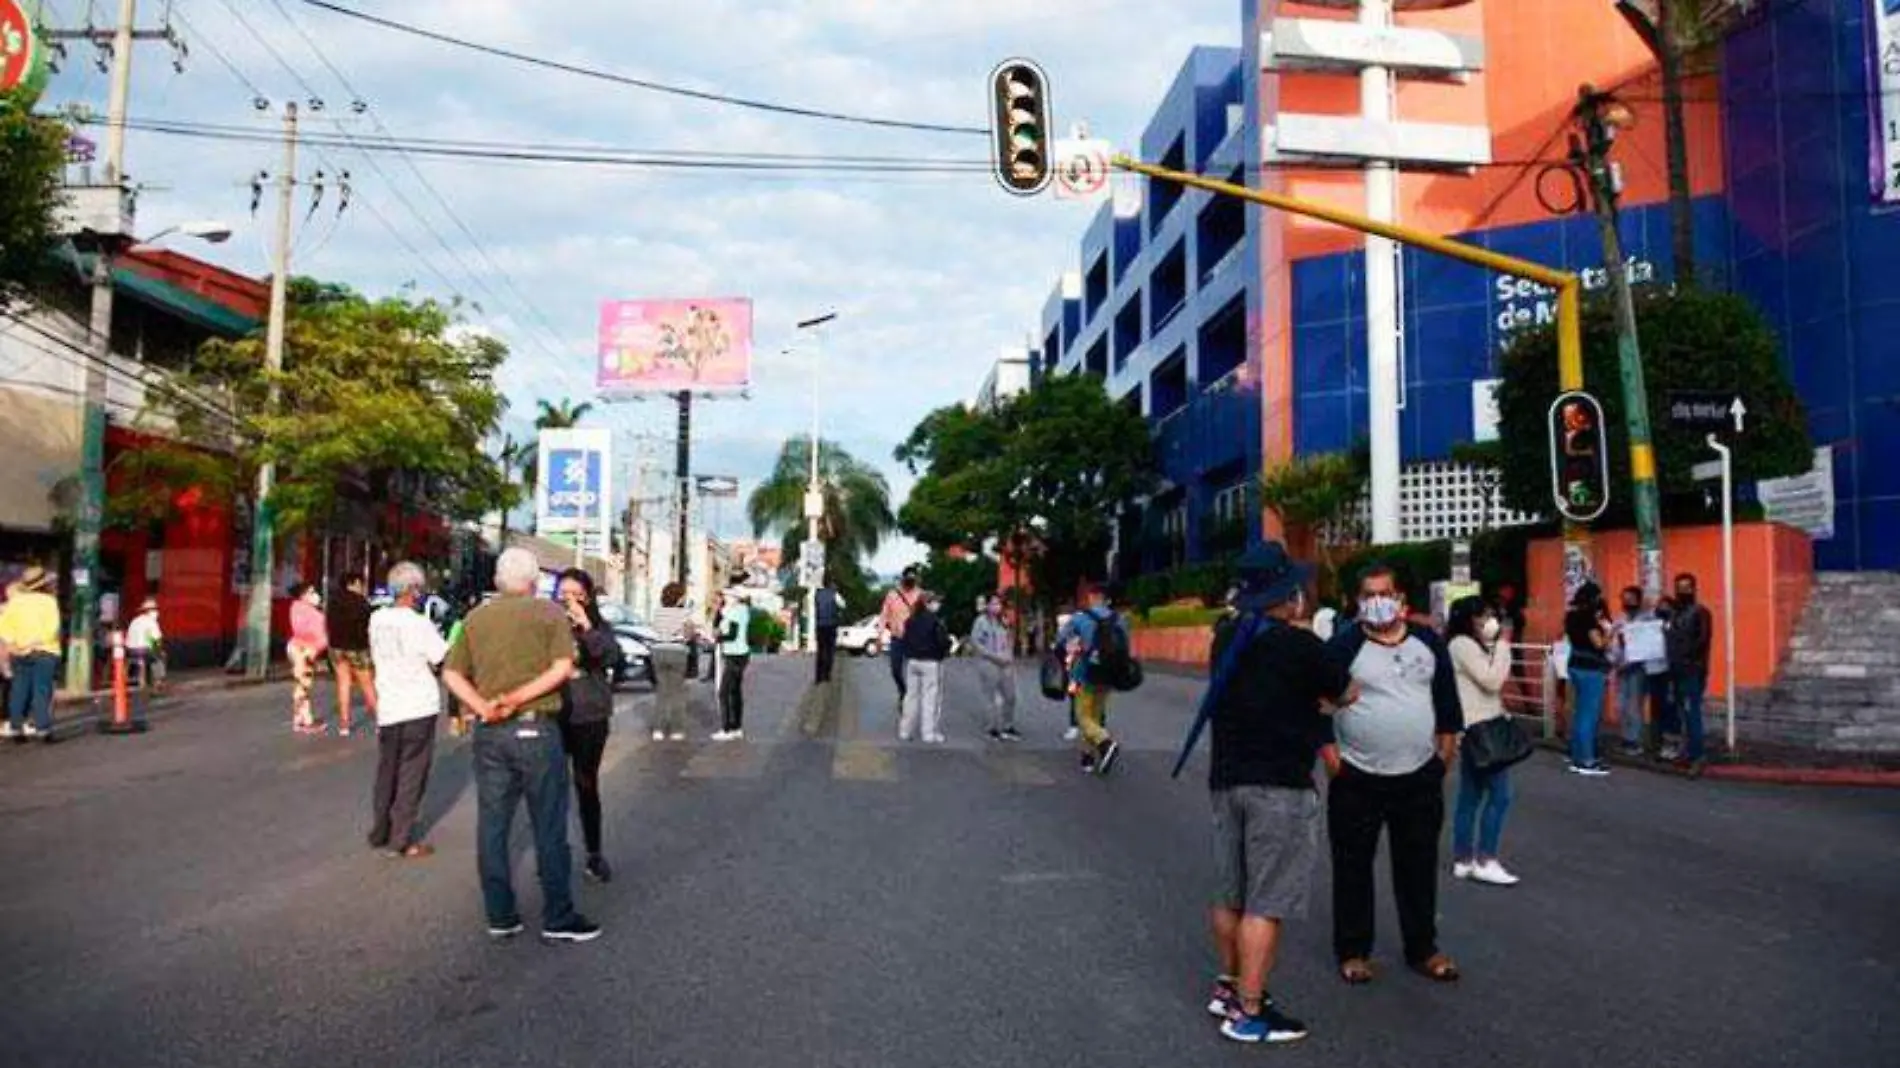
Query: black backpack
{"points": [[1111, 663]]}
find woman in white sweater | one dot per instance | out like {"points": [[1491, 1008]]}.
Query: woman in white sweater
{"points": [[1481, 659]]}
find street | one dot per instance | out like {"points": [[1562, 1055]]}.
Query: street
{"points": [[819, 895]]}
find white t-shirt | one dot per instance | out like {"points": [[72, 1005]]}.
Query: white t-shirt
{"points": [[143, 634], [405, 647]]}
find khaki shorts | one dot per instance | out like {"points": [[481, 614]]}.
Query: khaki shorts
{"points": [[358, 660]]}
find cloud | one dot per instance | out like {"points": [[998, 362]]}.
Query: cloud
{"points": [[930, 274]]}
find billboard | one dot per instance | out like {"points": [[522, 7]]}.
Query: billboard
{"points": [[1885, 32], [666, 346], [573, 491]]}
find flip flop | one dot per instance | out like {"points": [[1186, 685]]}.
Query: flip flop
{"points": [[1439, 969], [1356, 971]]}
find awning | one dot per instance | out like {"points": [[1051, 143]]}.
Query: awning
{"points": [[181, 304]]}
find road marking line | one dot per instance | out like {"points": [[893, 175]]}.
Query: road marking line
{"points": [[863, 762], [1034, 878], [726, 760], [1017, 769]]}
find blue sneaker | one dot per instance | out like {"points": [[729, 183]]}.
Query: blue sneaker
{"points": [[1271, 1026]]}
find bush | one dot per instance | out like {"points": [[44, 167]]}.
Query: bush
{"points": [[1206, 582], [1416, 564], [1178, 615], [765, 633], [1691, 340]]}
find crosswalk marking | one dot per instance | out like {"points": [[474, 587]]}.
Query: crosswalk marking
{"points": [[1017, 769], [726, 760], [863, 762]]}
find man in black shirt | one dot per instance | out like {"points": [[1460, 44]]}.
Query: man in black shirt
{"points": [[347, 618], [1270, 677]]}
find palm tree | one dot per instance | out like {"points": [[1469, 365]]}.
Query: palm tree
{"points": [[515, 456], [857, 516], [553, 415]]}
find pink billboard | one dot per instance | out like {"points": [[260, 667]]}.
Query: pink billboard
{"points": [[665, 346]]}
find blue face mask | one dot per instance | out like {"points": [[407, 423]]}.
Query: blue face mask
{"points": [[1379, 611]]}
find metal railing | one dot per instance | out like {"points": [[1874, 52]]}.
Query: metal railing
{"points": [[1531, 690]]}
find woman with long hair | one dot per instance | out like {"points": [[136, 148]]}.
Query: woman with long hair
{"points": [[1588, 627], [309, 640], [674, 623], [587, 706], [1480, 651]]}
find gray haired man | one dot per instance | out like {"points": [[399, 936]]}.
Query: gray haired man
{"points": [[405, 648], [996, 667]]}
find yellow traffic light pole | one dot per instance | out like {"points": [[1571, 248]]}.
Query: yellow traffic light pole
{"points": [[1569, 289]]}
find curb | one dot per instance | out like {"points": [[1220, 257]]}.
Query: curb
{"points": [[68, 698], [1766, 774]]}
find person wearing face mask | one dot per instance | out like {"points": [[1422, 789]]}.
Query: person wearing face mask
{"points": [[996, 661], [1691, 629], [895, 615], [1632, 672], [1589, 628], [1391, 751], [1480, 651]]}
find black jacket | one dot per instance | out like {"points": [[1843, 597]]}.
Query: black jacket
{"points": [[347, 617], [588, 697], [1688, 636], [925, 636]]}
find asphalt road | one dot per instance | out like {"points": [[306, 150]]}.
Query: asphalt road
{"points": [[820, 895]]}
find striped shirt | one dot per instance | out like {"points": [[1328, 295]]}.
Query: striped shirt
{"points": [[672, 624]]}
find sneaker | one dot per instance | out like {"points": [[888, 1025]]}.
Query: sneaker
{"points": [[7, 730], [1669, 754], [578, 929], [1598, 770], [505, 929], [1011, 734], [597, 869], [1491, 873], [1110, 750], [1072, 734], [659, 736], [676, 736], [722, 736], [1225, 1000], [995, 735], [1271, 1025], [902, 737], [934, 739], [1088, 763], [1462, 869], [31, 731], [736, 736], [1633, 750]]}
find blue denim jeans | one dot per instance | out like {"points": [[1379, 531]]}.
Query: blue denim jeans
{"points": [[33, 678], [1691, 685], [1631, 683], [1588, 687], [514, 761], [1483, 799]]}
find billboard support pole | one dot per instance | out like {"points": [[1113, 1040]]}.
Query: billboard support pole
{"points": [[683, 470]]}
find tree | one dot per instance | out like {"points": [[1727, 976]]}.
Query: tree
{"points": [[960, 579], [1316, 493], [1692, 340], [32, 155], [1042, 477], [372, 393], [857, 514], [552, 415]]}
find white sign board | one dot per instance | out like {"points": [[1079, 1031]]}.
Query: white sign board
{"points": [[1485, 416], [1805, 502], [574, 491], [1082, 169], [1885, 15], [1644, 641]]}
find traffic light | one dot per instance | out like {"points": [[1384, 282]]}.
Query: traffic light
{"points": [[1020, 126], [1579, 457]]}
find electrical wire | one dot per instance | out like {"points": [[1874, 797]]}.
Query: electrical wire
{"points": [[89, 359], [642, 83]]}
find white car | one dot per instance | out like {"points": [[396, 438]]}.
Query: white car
{"points": [[865, 637]]}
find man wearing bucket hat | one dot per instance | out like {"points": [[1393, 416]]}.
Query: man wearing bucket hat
{"points": [[1265, 704], [29, 629]]}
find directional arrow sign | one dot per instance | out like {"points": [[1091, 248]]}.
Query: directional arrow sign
{"points": [[1706, 410], [1738, 410]]}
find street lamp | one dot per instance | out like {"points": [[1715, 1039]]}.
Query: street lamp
{"points": [[209, 230], [814, 495]]}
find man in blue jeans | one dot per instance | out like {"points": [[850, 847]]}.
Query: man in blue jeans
{"points": [[1691, 629], [507, 668]]}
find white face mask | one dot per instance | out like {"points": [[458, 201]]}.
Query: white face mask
{"points": [[1379, 611], [1489, 629]]}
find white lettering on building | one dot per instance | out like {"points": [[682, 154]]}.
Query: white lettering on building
{"points": [[1522, 302]]}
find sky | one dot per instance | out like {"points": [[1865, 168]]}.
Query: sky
{"points": [[930, 275]]}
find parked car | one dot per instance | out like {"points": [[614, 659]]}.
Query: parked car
{"points": [[865, 637], [636, 656]]}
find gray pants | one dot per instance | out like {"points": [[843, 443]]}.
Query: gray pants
{"points": [[669, 675], [923, 698], [999, 690], [403, 754]]}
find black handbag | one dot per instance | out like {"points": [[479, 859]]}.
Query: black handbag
{"points": [[1053, 676], [1496, 744]]}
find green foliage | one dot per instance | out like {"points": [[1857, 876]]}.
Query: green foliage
{"points": [[1046, 473], [1416, 564], [370, 390], [1206, 582], [1315, 490], [1177, 615], [960, 580], [764, 633], [856, 520], [32, 156], [1691, 340], [549, 415]]}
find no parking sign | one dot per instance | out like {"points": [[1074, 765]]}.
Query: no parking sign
{"points": [[1082, 168]]}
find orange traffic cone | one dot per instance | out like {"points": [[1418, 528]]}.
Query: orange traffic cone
{"points": [[122, 721]]}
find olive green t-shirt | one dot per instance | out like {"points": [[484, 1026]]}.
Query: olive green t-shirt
{"points": [[510, 641]]}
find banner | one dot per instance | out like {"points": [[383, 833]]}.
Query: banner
{"points": [[573, 491], [665, 346], [1884, 18], [1804, 501]]}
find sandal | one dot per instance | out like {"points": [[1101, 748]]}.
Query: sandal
{"points": [[418, 851], [1356, 971], [1439, 969]]}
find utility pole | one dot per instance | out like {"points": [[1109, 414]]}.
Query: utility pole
{"points": [[257, 630], [1599, 116], [92, 455], [683, 472], [1384, 358], [814, 490]]}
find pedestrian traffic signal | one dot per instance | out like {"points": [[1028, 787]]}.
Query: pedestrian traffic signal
{"points": [[1020, 126], [1579, 457]]}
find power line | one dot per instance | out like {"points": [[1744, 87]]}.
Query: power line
{"points": [[642, 83], [206, 406]]}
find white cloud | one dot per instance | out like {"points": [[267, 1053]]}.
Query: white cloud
{"points": [[930, 274]]}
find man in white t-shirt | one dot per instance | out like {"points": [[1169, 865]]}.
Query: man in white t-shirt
{"points": [[145, 645], [406, 649]]}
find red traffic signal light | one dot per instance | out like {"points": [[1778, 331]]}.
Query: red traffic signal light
{"points": [[1579, 457], [1020, 126]]}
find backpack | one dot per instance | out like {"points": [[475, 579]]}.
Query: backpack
{"points": [[1111, 664]]}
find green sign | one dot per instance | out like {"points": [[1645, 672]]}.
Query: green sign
{"points": [[22, 53]]}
